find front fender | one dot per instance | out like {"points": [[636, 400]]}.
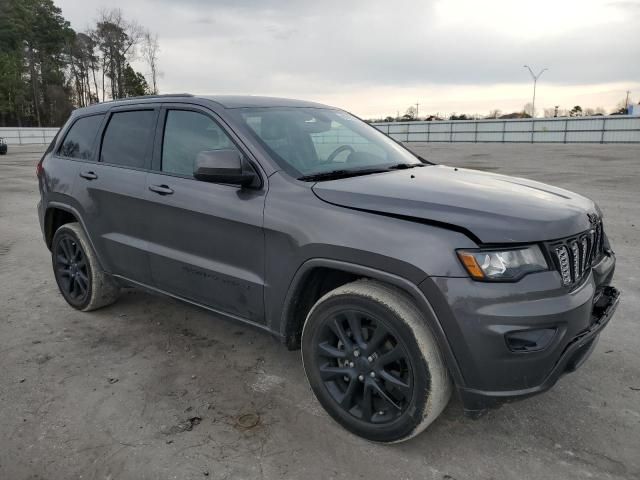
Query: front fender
{"points": [[431, 319]]}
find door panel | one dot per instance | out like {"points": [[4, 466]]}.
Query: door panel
{"points": [[205, 240], [117, 212], [206, 243]]}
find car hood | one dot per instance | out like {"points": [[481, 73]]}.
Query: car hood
{"points": [[493, 208]]}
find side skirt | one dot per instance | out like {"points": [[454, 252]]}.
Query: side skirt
{"points": [[229, 316]]}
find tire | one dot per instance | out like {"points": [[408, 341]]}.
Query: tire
{"points": [[81, 281], [396, 384]]}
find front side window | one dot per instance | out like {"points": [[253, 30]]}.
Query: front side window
{"points": [[186, 134], [312, 141], [78, 143], [126, 138]]}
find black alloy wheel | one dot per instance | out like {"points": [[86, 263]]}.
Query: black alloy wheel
{"points": [[364, 366], [72, 269]]}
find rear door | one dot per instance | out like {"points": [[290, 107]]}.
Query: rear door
{"points": [[205, 240], [112, 191]]}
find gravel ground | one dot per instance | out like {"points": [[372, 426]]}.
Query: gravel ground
{"points": [[151, 388]]}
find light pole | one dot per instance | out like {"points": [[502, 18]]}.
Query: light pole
{"points": [[535, 81]]}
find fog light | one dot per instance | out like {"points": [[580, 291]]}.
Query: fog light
{"points": [[530, 340]]}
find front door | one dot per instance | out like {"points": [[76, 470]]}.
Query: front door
{"points": [[205, 240]]}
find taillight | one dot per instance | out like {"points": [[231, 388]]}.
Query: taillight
{"points": [[40, 168]]}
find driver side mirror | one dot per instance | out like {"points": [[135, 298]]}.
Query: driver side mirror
{"points": [[225, 166]]}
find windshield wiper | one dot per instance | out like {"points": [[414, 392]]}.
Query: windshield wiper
{"points": [[404, 166], [344, 173], [341, 173]]}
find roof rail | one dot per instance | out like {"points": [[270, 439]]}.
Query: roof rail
{"points": [[142, 97]]}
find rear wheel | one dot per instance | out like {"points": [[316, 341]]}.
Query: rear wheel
{"points": [[80, 279], [373, 363]]}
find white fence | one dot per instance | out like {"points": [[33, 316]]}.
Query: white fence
{"points": [[611, 129], [600, 129], [28, 136]]}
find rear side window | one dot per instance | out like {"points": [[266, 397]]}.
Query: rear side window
{"points": [[126, 138], [186, 134], [78, 143]]}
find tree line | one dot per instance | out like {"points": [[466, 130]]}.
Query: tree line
{"points": [[411, 114], [47, 69]]}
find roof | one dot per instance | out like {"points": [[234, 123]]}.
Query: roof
{"points": [[224, 101], [243, 101]]}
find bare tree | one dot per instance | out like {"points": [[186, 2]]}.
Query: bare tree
{"points": [[150, 50], [117, 39], [528, 109], [411, 113]]}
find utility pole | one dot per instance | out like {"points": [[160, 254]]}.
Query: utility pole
{"points": [[535, 81], [626, 103], [417, 105]]}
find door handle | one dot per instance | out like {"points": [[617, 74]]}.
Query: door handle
{"points": [[161, 189], [88, 175]]}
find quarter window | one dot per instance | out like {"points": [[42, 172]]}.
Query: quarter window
{"points": [[186, 134], [127, 137], [78, 143]]}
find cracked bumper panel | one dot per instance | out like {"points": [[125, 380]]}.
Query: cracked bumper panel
{"points": [[477, 318]]}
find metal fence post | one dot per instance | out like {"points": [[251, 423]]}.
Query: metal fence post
{"points": [[504, 129], [19, 137], [428, 132], [533, 127], [566, 125], [604, 120], [475, 134], [451, 132]]}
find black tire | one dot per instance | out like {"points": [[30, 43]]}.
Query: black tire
{"points": [[396, 383], [81, 281]]}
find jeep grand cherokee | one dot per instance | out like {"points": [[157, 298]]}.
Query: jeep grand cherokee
{"points": [[400, 280]]}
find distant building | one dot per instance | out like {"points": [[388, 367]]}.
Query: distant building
{"points": [[634, 110]]}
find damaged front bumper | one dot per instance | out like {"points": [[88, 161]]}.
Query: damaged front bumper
{"points": [[515, 339], [577, 350]]}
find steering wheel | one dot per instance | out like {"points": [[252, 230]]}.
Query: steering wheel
{"points": [[338, 151]]}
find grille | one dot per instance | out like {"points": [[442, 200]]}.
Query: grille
{"points": [[575, 255]]}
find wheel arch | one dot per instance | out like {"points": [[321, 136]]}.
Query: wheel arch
{"points": [[54, 217], [64, 213], [306, 288]]}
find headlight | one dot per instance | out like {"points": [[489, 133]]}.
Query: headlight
{"points": [[504, 264]]}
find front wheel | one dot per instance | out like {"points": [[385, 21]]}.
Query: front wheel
{"points": [[373, 363]]}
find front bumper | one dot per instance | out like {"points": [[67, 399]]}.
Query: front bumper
{"points": [[575, 354], [478, 317]]}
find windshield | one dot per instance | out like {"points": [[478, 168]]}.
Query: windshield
{"points": [[315, 141]]}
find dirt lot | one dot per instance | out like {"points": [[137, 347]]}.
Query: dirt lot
{"points": [[151, 388]]}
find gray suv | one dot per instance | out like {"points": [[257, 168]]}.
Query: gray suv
{"points": [[400, 280]]}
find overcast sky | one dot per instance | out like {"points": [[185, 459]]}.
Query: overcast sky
{"points": [[375, 58]]}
